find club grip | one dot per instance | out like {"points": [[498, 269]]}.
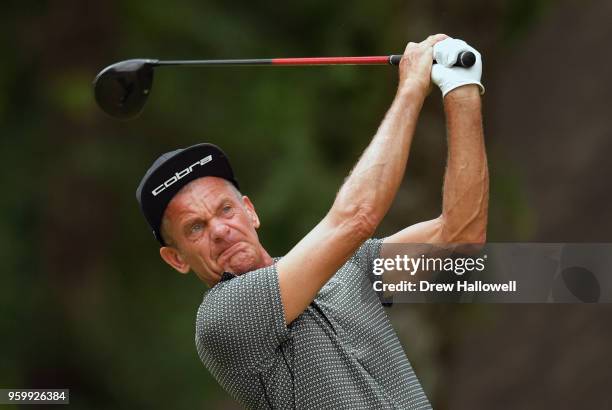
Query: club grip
{"points": [[464, 59]]}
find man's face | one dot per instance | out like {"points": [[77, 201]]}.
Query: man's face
{"points": [[212, 230]]}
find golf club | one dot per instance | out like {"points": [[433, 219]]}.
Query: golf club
{"points": [[121, 89]]}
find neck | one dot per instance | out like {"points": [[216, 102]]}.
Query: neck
{"points": [[264, 261]]}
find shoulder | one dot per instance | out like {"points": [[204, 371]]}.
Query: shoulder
{"points": [[241, 320], [234, 296]]}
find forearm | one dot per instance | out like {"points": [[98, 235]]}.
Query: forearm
{"points": [[466, 182], [373, 182]]}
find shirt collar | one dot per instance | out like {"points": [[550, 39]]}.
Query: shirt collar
{"points": [[227, 276]]}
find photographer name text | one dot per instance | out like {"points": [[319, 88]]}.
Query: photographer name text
{"points": [[460, 286]]}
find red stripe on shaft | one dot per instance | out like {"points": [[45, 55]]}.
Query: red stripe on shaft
{"points": [[331, 60]]}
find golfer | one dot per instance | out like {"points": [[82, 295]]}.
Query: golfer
{"points": [[307, 330]]}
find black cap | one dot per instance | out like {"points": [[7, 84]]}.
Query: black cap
{"points": [[172, 171]]}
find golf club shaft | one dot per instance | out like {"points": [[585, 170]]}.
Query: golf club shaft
{"points": [[284, 61], [367, 60]]}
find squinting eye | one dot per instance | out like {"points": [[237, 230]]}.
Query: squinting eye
{"points": [[196, 227], [227, 209]]}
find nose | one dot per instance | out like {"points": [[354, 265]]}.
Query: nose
{"points": [[219, 231]]}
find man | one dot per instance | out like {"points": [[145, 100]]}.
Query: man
{"points": [[307, 330]]}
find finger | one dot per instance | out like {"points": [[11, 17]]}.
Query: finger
{"points": [[446, 52], [433, 39], [409, 46]]}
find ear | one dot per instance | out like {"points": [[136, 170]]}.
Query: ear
{"points": [[250, 209], [173, 258]]}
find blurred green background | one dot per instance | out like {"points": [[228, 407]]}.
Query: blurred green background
{"points": [[87, 304]]}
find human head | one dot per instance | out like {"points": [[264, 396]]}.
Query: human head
{"points": [[210, 228], [197, 185], [171, 172]]}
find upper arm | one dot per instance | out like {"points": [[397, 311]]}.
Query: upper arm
{"points": [[423, 232], [432, 232], [312, 262], [420, 237]]}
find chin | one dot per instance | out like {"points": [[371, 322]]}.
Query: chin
{"points": [[242, 262]]}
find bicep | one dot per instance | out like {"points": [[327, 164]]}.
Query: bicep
{"points": [[427, 232]]}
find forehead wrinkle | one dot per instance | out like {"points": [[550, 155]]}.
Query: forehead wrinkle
{"points": [[191, 207], [185, 211]]}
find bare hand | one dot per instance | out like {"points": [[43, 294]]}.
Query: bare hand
{"points": [[415, 66]]}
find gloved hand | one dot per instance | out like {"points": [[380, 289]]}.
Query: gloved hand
{"points": [[447, 77]]}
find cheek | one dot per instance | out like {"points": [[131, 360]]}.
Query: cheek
{"points": [[198, 255], [249, 227], [241, 221]]}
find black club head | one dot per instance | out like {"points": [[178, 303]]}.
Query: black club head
{"points": [[121, 89]]}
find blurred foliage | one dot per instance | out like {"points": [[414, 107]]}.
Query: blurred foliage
{"points": [[86, 302]]}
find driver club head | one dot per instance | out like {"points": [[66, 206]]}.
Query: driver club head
{"points": [[121, 89]]}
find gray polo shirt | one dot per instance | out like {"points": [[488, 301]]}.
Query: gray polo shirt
{"points": [[340, 353]]}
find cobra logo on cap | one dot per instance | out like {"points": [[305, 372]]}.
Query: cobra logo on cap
{"points": [[178, 175]]}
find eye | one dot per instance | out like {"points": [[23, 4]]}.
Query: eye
{"points": [[196, 227], [227, 209]]}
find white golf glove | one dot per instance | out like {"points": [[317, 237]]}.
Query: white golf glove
{"points": [[448, 77]]}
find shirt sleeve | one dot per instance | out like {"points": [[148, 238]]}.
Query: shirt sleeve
{"points": [[364, 274], [365, 255], [240, 323]]}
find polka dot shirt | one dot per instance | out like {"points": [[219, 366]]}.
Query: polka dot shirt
{"points": [[340, 353]]}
